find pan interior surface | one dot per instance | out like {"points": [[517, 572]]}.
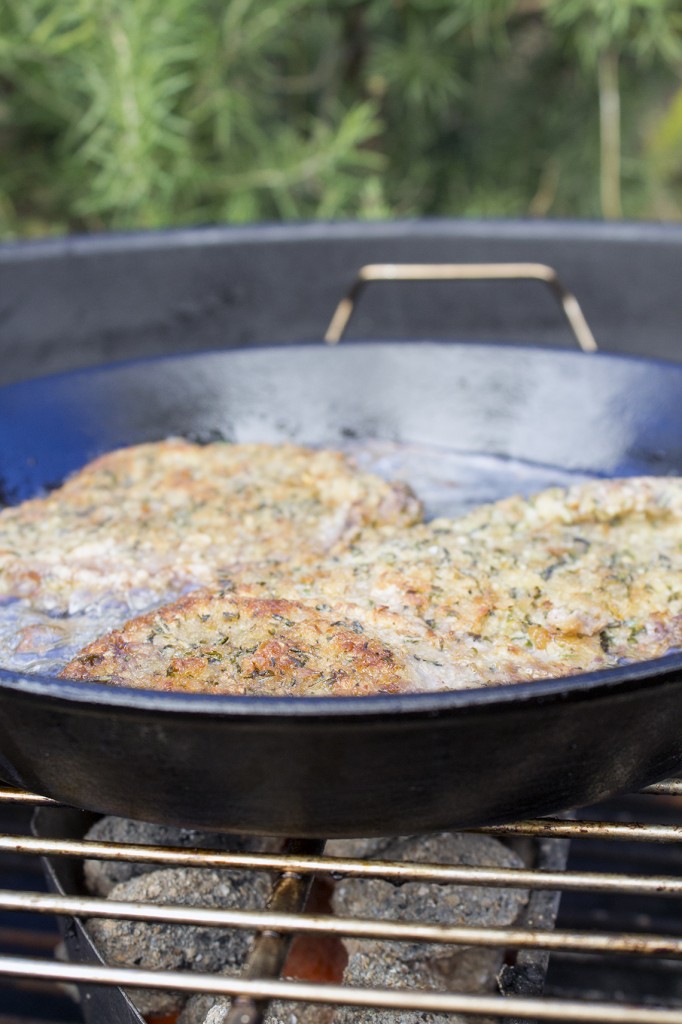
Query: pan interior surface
{"points": [[599, 415], [406, 412]]}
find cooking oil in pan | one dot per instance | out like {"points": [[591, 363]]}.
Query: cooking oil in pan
{"points": [[451, 483]]}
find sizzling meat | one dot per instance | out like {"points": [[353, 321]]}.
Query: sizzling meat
{"points": [[144, 525], [159, 517], [218, 643], [567, 581]]}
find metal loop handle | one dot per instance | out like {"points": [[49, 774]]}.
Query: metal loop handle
{"points": [[374, 272]]}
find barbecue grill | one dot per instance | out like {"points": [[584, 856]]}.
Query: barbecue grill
{"points": [[259, 283], [584, 951]]}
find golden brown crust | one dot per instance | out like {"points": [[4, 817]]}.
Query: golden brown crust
{"points": [[218, 643], [567, 581]]}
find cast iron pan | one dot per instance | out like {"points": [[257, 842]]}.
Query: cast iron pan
{"points": [[350, 766]]}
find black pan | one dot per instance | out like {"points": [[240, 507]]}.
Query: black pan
{"points": [[351, 766]]}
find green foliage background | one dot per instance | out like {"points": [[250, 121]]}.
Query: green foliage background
{"points": [[119, 114]]}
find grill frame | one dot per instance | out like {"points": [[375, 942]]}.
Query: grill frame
{"points": [[78, 302]]}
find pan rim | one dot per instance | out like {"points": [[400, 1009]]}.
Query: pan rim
{"points": [[632, 676], [656, 672]]}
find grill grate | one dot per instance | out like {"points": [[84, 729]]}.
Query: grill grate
{"points": [[575, 948]]}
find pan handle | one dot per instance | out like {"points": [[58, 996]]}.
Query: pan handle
{"points": [[374, 272]]}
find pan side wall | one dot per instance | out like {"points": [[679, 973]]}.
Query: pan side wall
{"points": [[261, 773]]}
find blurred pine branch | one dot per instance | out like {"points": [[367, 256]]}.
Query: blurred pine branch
{"points": [[121, 114]]}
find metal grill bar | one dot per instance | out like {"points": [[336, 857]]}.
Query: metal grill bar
{"points": [[672, 787], [191, 981], [548, 828], [9, 795], [515, 878], [289, 923]]}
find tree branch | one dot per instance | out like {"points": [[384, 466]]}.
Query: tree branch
{"points": [[609, 133]]}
